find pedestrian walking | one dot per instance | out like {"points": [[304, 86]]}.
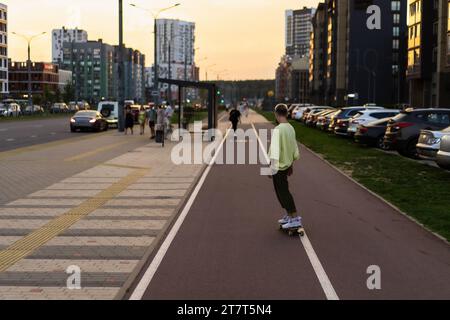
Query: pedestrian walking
{"points": [[151, 116], [283, 153], [160, 125], [129, 120], [142, 119], [235, 117]]}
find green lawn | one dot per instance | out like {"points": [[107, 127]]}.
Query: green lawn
{"points": [[421, 191]]}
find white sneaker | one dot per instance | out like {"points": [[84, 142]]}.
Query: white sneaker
{"points": [[284, 220], [293, 223]]}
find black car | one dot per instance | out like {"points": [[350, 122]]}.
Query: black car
{"points": [[88, 120], [403, 131], [372, 134]]}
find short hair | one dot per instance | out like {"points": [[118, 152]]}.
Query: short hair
{"points": [[281, 110]]}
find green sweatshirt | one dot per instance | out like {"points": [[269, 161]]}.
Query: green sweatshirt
{"points": [[284, 147]]}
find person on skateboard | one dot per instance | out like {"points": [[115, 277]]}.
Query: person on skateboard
{"points": [[283, 153]]}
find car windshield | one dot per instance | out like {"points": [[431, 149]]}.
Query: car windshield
{"points": [[108, 107], [86, 114]]}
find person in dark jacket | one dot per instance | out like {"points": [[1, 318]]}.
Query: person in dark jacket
{"points": [[235, 118], [129, 120]]}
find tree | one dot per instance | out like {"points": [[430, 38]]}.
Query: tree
{"points": [[68, 93]]}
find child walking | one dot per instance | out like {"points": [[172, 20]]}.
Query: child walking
{"points": [[283, 153]]}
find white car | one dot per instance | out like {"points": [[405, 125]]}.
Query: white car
{"points": [[297, 114], [430, 142], [367, 116], [10, 110], [110, 111]]}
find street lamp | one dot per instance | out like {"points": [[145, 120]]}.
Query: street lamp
{"points": [[206, 70], [220, 73], [155, 16], [29, 39]]}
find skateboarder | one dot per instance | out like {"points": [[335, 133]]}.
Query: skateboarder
{"points": [[283, 153]]}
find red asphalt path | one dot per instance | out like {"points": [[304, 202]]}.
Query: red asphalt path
{"points": [[229, 246]]}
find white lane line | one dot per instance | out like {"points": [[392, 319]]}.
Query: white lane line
{"points": [[10, 140], [33, 137], [3, 130], [142, 286], [325, 282]]}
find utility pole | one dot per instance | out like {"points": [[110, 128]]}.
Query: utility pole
{"points": [[120, 71]]}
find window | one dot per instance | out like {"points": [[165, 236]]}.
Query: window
{"points": [[396, 18], [396, 31], [396, 44], [395, 5]]}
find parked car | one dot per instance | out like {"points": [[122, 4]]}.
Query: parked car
{"points": [[73, 107], [315, 114], [110, 111], [59, 108], [403, 131], [292, 107], [323, 121], [297, 113], [29, 110], [85, 119], [314, 109], [10, 110], [340, 121], [83, 105], [367, 116], [372, 134], [430, 142], [443, 156]]}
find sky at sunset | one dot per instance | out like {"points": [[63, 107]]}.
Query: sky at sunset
{"points": [[244, 37]]}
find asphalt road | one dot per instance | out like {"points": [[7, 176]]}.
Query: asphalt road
{"points": [[18, 134], [229, 246]]}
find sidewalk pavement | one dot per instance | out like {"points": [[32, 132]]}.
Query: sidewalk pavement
{"points": [[105, 220]]}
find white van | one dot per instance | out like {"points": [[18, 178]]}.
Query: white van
{"points": [[110, 111]]}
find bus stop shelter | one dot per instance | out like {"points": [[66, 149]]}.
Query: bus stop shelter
{"points": [[212, 99]]}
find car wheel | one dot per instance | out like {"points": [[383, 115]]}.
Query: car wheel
{"points": [[73, 130], [443, 166], [410, 150], [380, 143]]}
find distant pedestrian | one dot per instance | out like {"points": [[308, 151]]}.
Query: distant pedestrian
{"points": [[235, 118], [129, 120], [142, 119], [283, 153], [160, 125], [151, 116]]}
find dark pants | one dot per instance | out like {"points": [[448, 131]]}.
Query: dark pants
{"points": [[281, 184], [235, 125]]}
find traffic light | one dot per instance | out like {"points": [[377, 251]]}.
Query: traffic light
{"points": [[218, 92]]}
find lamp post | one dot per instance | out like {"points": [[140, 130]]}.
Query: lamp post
{"points": [[155, 16], [206, 70], [121, 125], [29, 40], [220, 73]]}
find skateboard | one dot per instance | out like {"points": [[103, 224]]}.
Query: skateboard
{"points": [[294, 231]]}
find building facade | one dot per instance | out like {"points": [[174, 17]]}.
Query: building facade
{"points": [[428, 70], [92, 66], [318, 56], [60, 36], [282, 80], [298, 80], [134, 74], [4, 87], [175, 51], [44, 77], [298, 29], [365, 56]]}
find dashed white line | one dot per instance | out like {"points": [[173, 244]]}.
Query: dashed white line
{"points": [[325, 282], [151, 271], [10, 140]]}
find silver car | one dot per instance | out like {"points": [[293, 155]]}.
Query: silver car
{"points": [[430, 142], [443, 156]]}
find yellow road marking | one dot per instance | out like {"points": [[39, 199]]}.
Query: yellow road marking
{"points": [[28, 244], [94, 152], [39, 147]]}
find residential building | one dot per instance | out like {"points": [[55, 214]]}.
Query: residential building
{"points": [[4, 89], [298, 30], [44, 77], [282, 77], [366, 42], [59, 36], [298, 80], [65, 78], [134, 74], [428, 71], [318, 56], [175, 51], [92, 67]]}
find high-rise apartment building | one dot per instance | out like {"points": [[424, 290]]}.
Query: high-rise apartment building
{"points": [[365, 55], [60, 36], [428, 71], [298, 31], [4, 89]]}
